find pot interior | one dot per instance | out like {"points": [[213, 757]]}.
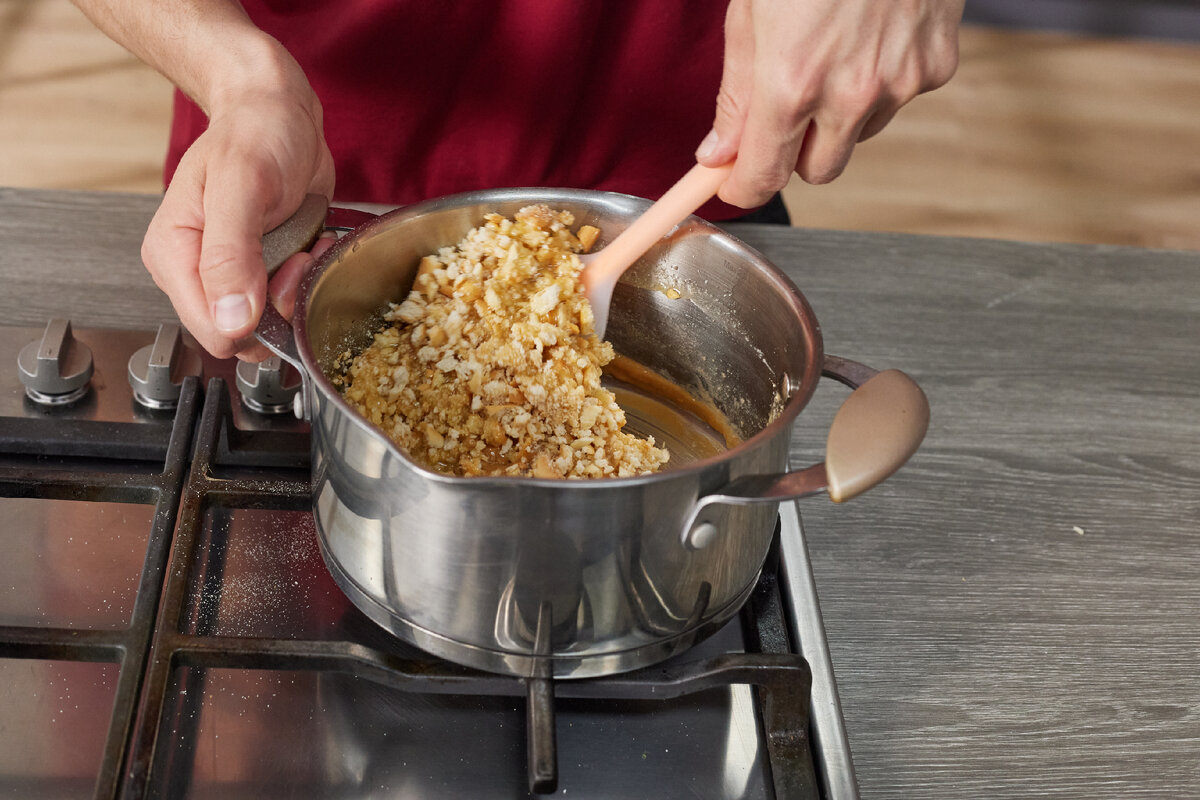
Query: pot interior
{"points": [[701, 310]]}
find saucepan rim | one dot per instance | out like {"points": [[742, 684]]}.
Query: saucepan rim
{"points": [[798, 395]]}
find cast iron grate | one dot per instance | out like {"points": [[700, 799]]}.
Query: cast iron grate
{"points": [[60, 459], [221, 468]]}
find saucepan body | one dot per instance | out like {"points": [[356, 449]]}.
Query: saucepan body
{"points": [[566, 578]]}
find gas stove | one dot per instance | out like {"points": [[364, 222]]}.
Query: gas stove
{"points": [[168, 628]]}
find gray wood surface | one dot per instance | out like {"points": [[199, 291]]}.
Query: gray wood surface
{"points": [[1017, 612]]}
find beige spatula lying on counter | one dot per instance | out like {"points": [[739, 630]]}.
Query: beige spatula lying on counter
{"points": [[602, 270]]}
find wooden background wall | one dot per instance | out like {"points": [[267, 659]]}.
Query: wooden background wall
{"points": [[1042, 136]]}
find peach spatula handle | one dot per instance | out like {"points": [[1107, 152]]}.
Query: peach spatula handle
{"points": [[603, 269]]}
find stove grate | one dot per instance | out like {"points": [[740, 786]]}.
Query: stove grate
{"points": [[211, 467], [102, 461]]}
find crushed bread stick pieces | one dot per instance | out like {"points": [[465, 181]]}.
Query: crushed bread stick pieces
{"points": [[490, 365]]}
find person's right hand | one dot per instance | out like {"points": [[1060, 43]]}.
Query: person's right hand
{"points": [[263, 151], [805, 80]]}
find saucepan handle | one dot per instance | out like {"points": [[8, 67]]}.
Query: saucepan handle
{"points": [[878, 427], [299, 232]]}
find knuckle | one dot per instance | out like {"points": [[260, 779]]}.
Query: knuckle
{"points": [[259, 176], [856, 101], [729, 108], [940, 64], [850, 98], [825, 174], [908, 85], [827, 164], [941, 73], [221, 348], [224, 263], [796, 98], [755, 189], [155, 256], [772, 182], [788, 90], [150, 257], [202, 330], [217, 262]]}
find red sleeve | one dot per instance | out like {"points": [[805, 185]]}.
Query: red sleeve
{"points": [[426, 99]]}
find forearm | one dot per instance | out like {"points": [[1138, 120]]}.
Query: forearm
{"points": [[209, 49]]}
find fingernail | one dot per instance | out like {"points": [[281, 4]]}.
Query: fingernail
{"points": [[708, 146], [231, 312]]}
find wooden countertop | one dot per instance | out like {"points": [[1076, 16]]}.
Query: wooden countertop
{"points": [[1014, 614]]}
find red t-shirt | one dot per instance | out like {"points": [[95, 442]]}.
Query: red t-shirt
{"points": [[426, 99]]}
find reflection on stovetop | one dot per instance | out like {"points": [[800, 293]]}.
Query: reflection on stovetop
{"points": [[168, 627]]}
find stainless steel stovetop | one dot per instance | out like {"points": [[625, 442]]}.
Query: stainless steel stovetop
{"points": [[168, 629]]}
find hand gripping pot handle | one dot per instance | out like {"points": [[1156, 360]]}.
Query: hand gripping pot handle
{"points": [[298, 232], [878, 427]]}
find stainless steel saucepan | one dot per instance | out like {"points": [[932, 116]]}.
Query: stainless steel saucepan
{"points": [[577, 578]]}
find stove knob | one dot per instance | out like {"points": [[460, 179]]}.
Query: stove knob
{"points": [[56, 370], [269, 387], [157, 371]]}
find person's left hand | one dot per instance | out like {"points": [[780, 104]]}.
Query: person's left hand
{"points": [[806, 80]]}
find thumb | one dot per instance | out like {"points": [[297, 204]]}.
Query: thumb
{"points": [[733, 100], [231, 266]]}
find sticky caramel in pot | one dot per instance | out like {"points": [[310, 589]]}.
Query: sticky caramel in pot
{"points": [[689, 427]]}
